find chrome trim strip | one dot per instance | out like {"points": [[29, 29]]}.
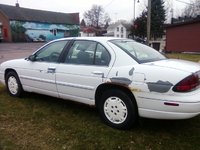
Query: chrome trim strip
{"points": [[59, 83], [163, 100], [38, 79], [150, 98], [75, 85]]}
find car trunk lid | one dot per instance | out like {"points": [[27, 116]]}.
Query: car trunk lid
{"points": [[182, 65]]}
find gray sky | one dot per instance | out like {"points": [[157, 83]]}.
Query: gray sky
{"points": [[117, 9]]}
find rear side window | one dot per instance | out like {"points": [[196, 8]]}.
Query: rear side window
{"points": [[102, 56], [87, 53], [81, 52]]}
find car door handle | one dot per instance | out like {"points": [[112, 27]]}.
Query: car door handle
{"points": [[51, 70], [99, 73]]}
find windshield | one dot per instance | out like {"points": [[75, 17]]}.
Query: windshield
{"points": [[140, 52]]}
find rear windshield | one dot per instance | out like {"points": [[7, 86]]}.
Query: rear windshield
{"points": [[140, 52]]}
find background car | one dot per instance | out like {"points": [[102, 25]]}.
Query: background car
{"points": [[122, 78]]}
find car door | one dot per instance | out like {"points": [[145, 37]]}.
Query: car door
{"points": [[38, 75], [83, 69]]}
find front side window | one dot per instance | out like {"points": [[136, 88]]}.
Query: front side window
{"points": [[51, 52], [140, 52]]}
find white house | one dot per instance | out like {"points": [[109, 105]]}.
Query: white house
{"points": [[118, 29]]}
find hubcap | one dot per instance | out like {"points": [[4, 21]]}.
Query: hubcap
{"points": [[115, 110], [12, 85]]}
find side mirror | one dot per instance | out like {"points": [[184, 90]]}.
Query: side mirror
{"points": [[31, 58]]}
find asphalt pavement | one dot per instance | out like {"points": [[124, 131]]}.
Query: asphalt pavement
{"points": [[10, 51]]}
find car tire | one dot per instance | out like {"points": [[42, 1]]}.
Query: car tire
{"points": [[117, 109], [13, 84]]}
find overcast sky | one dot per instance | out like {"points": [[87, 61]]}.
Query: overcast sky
{"points": [[117, 9]]}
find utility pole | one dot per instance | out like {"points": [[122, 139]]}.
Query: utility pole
{"points": [[149, 22], [133, 10]]}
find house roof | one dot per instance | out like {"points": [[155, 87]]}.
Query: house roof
{"points": [[111, 26], [193, 21], [89, 30], [26, 14]]}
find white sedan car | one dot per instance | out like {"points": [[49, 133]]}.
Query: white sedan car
{"points": [[122, 78]]}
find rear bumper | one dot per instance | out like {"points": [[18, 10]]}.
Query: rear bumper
{"points": [[169, 107], [147, 113]]}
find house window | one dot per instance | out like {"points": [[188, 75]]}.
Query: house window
{"points": [[54, 32], [117, 35], [118, 29], [122, 29], [122, 36]]}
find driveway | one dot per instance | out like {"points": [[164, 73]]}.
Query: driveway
{"points": [[17, 50]]}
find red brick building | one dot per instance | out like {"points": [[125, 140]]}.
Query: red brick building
{"points": [[183, 37]]}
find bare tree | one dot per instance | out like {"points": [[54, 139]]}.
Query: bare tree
{"points": [[107, 18], [96, 16], [192, 10]]}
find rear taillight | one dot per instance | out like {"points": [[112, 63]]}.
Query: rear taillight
{"points": [[187, 84]]}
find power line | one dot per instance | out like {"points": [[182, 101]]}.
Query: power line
{"points": [[184, 2], [109, 3]]}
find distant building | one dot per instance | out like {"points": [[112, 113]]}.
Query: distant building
{"points": [[183, 36], [87, 32], [19, 24], [118, 29]]}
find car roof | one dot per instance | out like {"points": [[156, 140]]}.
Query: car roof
{"points": [[99, 39]]}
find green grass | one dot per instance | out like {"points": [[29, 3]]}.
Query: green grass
{"points": [[41, 122], [191, 57]]}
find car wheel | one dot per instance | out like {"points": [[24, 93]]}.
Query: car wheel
{"points": [[13, 84], [117, 109]]}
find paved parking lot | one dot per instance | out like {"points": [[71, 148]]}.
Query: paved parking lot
{"points": [[17, 50]]}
